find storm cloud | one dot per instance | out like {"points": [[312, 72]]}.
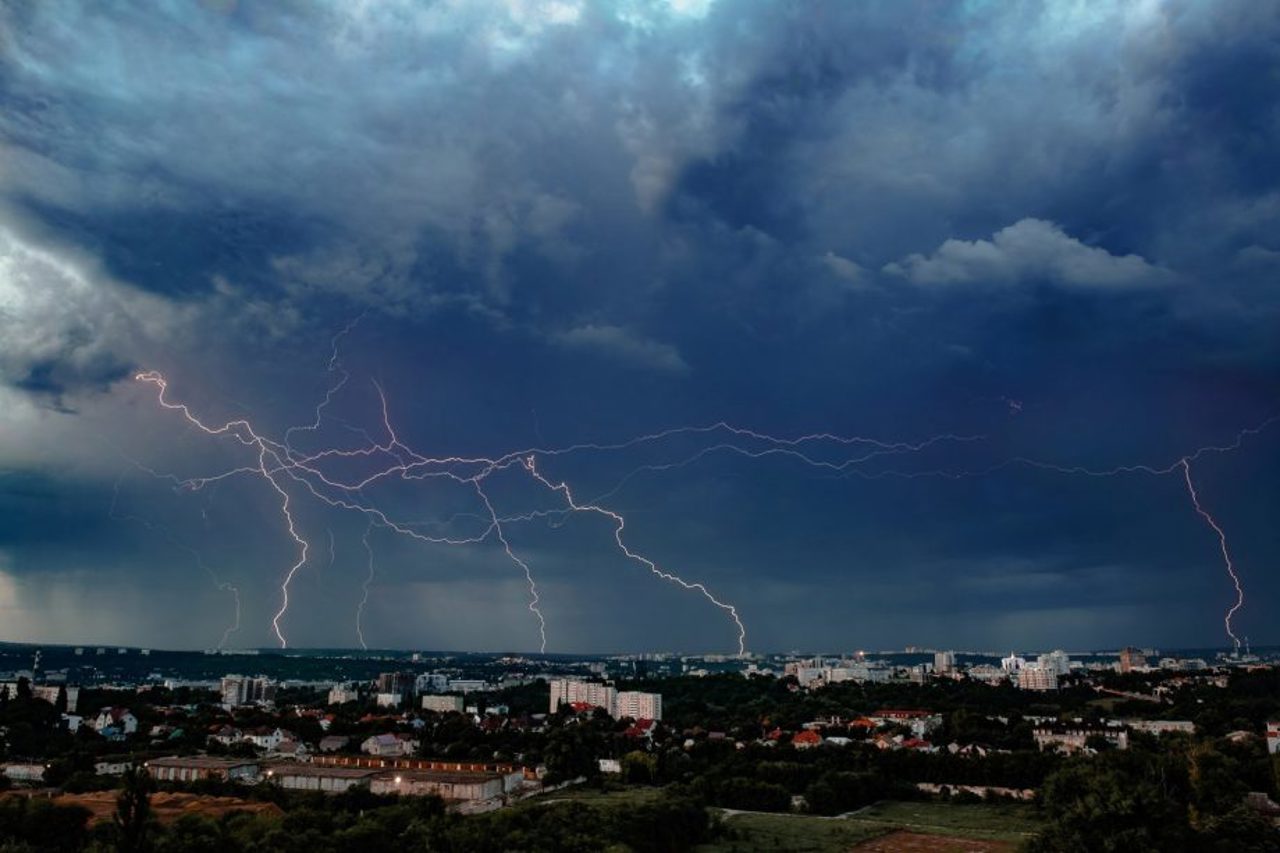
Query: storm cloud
{"points": [[559, 221]]}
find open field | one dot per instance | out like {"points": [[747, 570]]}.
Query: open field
{"points": [[993, 821], [883, 828], [611, 795], [166, 806], [915, 842], [790, 834]]}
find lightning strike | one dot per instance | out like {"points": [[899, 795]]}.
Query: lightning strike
{"points": [[364, 589], [390, 458], [620, 523], [1222, 545]]}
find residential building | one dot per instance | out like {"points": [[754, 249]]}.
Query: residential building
{"points": [[944, 663], [987, 674], [1033, 676], [467, 685], [334, 743], [585, 693], [389, 745], [340, 694], [265, 737], [112, 767], [115, 722], [1056, 661], [806, 739], [431, 682], [240, 690], [227, 735], [1273, 737], [442, 704], [1012, 663], [400, 684], [390, 700], [1071, 737], [1161, 727], [638, 706], [22, 771], [921, 723], [1131, 659]]}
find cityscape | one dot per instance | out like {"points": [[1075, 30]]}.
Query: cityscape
{"points": [[643, 426], [497, 735]]}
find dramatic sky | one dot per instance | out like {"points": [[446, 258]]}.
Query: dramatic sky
{"points": [[1051, 228]]}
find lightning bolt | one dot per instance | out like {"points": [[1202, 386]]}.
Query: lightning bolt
{"points": [[364, 597], [242, 431], [285, 469], [620, 523], [1222, 545]]}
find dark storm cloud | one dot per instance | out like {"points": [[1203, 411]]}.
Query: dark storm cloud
{"points": [[566, 220]]}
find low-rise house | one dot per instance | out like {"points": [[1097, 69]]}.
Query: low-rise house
{"points": [[295, 749], [266, 737], [20, 771], [641, 730], [1073, 737], [334, 743], [115, 723], [112, 767], [806, 739], [921, 723], [389, 745], [226, 735], [1160, 727]]}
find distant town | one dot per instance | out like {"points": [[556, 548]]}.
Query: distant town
{"points": [[484, 733]]}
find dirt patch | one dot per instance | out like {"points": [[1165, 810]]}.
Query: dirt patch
{"points": [[167, 806], [915, 842]]}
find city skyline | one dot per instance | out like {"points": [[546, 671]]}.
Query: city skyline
{"points": [[565, 326]]}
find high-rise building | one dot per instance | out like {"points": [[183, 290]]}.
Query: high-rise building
{"points": [[340, 694], [1033, 676], [399, 683], [1012, 663], [638, 706], [944, 663], [1131, 659], [564, 692], [431, 682], [243, 690], [1057, 660]]}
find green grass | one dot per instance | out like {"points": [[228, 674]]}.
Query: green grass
{"points": [[798, 833], [992, 821], [612, 794], [790, 834]]}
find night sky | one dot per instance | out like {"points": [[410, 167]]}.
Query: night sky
{"points": [[1047, 234]]}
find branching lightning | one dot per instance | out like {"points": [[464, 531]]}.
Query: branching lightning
{"points": [[339, 477]]}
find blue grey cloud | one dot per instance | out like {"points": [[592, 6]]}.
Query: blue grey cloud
{"points": [[575, 221]]}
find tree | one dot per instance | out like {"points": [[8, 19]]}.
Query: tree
{"points": [[132, 818], [1117, 801]]}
